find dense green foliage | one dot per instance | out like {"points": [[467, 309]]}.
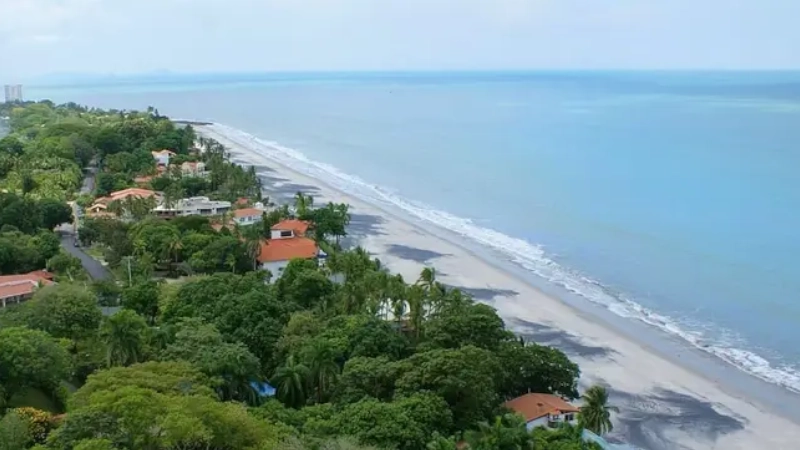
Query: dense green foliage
{"points": [[365, 361]]}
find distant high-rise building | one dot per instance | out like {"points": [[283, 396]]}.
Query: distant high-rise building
{"points": [[13, 92]]}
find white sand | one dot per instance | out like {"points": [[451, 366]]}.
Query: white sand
{"points": [[632, 368]]}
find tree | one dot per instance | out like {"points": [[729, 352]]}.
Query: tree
{"points": [[11, 146], [303, 204], [143, 298], [466, 378], [66, 265], [54, 213], [506, 432], [30, 358], [14, 432], [320, 357], [232, 363], [385, 425], [64, 311], [466, 324], [536, 368], [595, 413], [367, 377], [290, 380], [124, 334]]}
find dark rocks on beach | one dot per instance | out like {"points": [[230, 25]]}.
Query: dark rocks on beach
{"points": [[570, 344], [651, 421], [412, 253]]}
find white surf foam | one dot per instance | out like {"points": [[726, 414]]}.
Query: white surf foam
{"points": [[530, 256]]}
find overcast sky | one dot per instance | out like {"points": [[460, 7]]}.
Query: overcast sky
{"points": [[128, 36]]}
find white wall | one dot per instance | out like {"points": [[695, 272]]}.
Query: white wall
{"points": [[275, 267]]}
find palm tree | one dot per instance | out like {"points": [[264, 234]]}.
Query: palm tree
{"points": [[123, 335], [595, 413], [302, 204], [507, 432], [439, 442], [291, 382], [321, 360]]}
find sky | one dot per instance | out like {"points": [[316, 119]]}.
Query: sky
{"points": [[42, 37]]}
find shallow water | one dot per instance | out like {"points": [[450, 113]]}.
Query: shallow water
{"points": [[669, 199]]}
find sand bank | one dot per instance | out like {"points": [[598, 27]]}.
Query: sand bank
{"points": [[664, 405]]}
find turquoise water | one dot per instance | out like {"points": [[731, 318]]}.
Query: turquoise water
{"points": [[670, 199]]}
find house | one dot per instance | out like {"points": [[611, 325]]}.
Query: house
{"points": [[247, 216], [289, 228], [193, 206], [544, 410], [162, 157], [18, 288], [194, 169], [100, 206], [288, 242]]}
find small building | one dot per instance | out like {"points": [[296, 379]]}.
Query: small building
{"points": [[194, 169], [286, 243], [247, 216], [100, 206], [18, 288], [544, 410], [193, 206], [162, 156]]}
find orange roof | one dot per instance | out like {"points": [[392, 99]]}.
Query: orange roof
{"points": [[23, 284], [298, 226], [246, 212], [286, 249], [534, 406], [135, 192], [242, 201]]}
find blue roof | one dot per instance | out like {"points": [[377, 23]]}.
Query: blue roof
{"points": [[263, 389]]}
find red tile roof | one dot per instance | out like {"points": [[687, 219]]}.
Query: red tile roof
{"points": [[242, 201], [298, 226], [285, 249], [247, 212], [23, 284], [135, 192], [534, 406]]}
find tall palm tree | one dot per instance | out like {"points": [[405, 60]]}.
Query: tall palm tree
{"points": [[321, 360], [595, 413], [290, 380], [123, 335], [303, 204]]}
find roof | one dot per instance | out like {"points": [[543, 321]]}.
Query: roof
{"points": [[135, 192], [143, 179], [242, 201], [285, 249], [23, 284], [247, 212], [533, 406], [163, 152], [298, 226], [192, 164]]}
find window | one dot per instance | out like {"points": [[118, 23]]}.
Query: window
{"points": [[286, 233], [569, 417]]}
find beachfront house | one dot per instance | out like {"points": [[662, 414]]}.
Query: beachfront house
{"points": [[544, 410], [193, 206], [100, 206], [288, 242], [247, 216], [18, 288], [162, 157]]}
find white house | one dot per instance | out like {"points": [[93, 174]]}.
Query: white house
{"points": [[162, 157], [247, 216], [288, 242], [193, 206], [544, 410], [194, 169]]}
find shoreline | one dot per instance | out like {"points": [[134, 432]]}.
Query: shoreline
{"points": [[720, 416]]}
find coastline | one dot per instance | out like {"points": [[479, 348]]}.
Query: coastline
{"points": [[681, 409]]}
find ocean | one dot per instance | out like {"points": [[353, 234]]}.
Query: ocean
{"points": [[669, 199]]}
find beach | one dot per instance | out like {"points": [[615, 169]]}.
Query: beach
{"points": [[663, 404]]}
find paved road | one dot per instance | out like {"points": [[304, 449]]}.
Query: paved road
{"points": [[96, 270]]}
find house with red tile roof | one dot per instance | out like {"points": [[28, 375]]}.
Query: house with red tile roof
{"points": [[18, 288], [543, 410], [286, 243]]}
